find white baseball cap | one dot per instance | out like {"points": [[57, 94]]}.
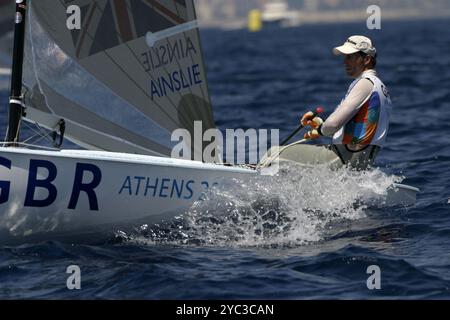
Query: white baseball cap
{"points": [[355, 44]]}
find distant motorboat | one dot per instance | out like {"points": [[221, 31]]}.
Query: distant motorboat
{"points": [[275, 13]]}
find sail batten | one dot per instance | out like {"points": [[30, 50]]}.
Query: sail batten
{"points": [[108, 69]]}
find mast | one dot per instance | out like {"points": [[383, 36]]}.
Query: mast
{"points": [[15, 100]]}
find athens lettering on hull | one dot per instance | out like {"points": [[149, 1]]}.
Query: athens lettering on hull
{"points": [[162, 187]]}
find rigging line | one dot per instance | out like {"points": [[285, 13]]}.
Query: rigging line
{"points": [[36, 141], [42, 138], [6, 137], [129, 76], [37, 134], [42, 135]]}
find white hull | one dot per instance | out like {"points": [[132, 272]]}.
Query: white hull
{"points": [[73, 190], [44, 191]]}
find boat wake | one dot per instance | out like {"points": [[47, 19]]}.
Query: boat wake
{"points": [[295, 207]]}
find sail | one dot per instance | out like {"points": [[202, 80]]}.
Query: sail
{"points": [[131, 75]]}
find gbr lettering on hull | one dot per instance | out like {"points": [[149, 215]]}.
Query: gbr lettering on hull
{"points": [[34, 182]]}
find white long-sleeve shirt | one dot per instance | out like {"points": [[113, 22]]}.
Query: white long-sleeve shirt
{"points": [[350, 106]]}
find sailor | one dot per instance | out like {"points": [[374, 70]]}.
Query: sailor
{"points": [[360, 123]]}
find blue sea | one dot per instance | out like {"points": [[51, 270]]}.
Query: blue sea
{"points": [[266, 80]]}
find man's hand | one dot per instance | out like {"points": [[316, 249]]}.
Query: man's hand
{"points": [[309, 119], [311, 135]]}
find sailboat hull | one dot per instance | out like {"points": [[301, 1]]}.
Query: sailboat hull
{"points": [[46, 191], [42, 191]]}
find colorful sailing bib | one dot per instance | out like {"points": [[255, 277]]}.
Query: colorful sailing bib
{"points": [[370, 125]]}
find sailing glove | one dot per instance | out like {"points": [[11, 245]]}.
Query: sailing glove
{"points": [[312, 134], [309, 119]]}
